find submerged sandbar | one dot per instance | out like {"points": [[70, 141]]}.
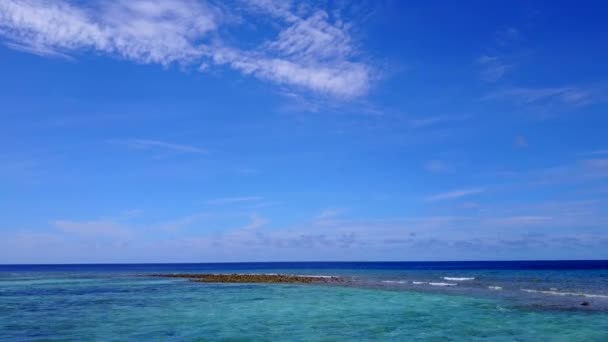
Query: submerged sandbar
{"points": [[251, 278]]}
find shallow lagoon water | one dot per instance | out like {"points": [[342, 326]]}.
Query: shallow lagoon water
{"points": [[109, 302]]}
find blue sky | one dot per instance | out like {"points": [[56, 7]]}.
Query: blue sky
{"points": [[191, 131]]}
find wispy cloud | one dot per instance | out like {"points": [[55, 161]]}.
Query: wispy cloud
{"points": [[596, 168], [518, 221], [313, 49], [233, 200], [181, 222], [142, 31], [499, 230], [255, 222], [455, 194], [493, 68], [594, 153], [93, 229], [586, 170], [499, 59], [123, 226], [329, 214], [436, 120], [581, 170], [435, 166], [507, 35], [521, 141], [163, 145], [559, 95]]}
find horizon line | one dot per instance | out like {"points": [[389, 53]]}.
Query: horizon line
{"points": [[284, 262]]}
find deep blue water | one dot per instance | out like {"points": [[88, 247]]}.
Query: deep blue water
{"points": [[514, 300]]}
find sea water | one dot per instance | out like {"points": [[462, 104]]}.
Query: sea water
{"points": [[450, 301]]}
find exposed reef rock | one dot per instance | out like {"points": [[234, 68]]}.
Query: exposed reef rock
{"points": [[252, 278]]}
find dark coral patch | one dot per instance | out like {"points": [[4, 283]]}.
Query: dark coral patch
{"points": [[251, 278]]}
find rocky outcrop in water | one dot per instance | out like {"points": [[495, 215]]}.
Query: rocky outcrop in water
{"points": [[251, 278]]}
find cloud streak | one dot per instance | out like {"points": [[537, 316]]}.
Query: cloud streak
{"points": [[455, 194], [436, 120], [163, 145], [92, 229], [233, 200], [312, 50], [595, 153], [557, 95]]}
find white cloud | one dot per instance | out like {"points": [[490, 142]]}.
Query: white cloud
{"points": [[143, 31], [342, 79], [313, 38], [312, 50], [455, 194]]}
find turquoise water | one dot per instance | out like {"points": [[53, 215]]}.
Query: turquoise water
{"points": [[117, 305]]}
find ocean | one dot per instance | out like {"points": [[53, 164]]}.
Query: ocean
{"points": [[380, 301]]}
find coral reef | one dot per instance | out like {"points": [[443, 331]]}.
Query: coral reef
{"points": [[252, 278]]}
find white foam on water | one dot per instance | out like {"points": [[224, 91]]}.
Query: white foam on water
{"points": [[394, 281], [556, 293], [495, 287], [500, 308], [443, 284], [458, 278], [419, 282]]}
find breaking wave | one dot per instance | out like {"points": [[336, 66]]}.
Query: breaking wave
{"points": [[557, 293]]}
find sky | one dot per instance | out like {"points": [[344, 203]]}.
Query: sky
{"points": [[260, 130]]}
